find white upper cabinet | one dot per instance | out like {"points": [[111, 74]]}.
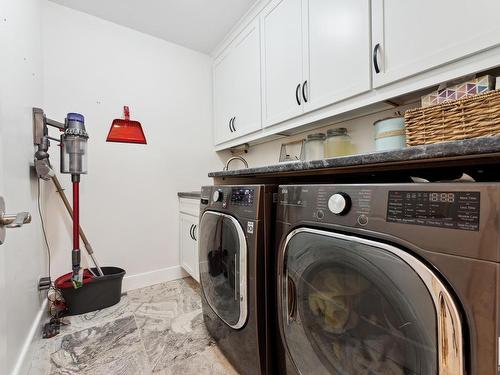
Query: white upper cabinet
{"points": [[300, 61], [282, 61], [314, 53], [224, 100], [237, 87], [247, 90], [339, 50], [413, 36]]}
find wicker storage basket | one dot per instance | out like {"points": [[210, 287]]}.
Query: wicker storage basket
{"points": [[470, 117]]}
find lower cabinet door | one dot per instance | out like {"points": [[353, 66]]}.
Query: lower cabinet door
{"points": [[188, 234]]}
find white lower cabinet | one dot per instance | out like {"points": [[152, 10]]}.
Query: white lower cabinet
{"points": [[188, 244]]}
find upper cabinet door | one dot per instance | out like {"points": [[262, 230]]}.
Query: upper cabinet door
{"points": [[247, 83], [237, 87], [339, 50], [413, 36], [282, 61], [224, 98]]}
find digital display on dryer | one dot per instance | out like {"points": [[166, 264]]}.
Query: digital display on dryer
{"points": [[454, 210], [242, 197]]}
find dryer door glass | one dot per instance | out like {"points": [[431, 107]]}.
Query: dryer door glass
{"points": [[222, 251], [352, 308]]}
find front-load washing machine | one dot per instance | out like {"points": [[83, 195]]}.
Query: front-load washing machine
{"points": [[389, 279], [235, 238]]}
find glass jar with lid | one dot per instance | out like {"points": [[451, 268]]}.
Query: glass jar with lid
{"points": [[313, 146], [337, 143]]}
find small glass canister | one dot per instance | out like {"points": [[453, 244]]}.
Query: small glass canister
{"points": [[390, 134], [313, 146], [337, 143]]}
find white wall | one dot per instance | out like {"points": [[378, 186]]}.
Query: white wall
{"points": [[22, 256], [129, 205]]}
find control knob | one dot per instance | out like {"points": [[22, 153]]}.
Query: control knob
{"points": [[339, 203], [217, 196]]}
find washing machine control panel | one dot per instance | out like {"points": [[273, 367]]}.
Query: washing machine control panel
{"points": [[242, 196], [328, 202], [454, 210], [450, 206], [239, 201]]}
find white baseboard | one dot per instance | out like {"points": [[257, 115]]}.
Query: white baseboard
{"points": [[23, 362], [144, 279]]}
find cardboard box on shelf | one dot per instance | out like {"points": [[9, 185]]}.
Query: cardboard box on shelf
{"points": [[471, 87]]}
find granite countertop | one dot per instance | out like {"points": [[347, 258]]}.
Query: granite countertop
{"points": [[189, 194], [475, 146]]}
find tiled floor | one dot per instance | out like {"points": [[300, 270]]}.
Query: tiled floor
{"points": [[154, 330]]}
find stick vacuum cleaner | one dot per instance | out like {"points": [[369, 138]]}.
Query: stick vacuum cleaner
{"points": [[83, 290], [74, 162]]}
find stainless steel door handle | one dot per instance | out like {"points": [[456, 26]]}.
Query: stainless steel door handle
{"points": [[15, 221], [11, 221]]}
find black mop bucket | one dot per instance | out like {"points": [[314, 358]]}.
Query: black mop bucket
{"points": [[96, 293]]}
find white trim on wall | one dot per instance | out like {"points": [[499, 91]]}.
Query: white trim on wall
{"points": [[144, 279], [25, 357]]}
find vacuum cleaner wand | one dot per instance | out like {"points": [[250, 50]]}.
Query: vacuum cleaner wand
{"points": [[77, 277], [84, 238]]}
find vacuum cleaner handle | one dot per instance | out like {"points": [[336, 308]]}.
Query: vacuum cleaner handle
{"points": [[86, 242]]}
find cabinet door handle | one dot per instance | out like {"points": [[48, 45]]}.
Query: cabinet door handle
{"points": [[304, 91], [297, 94], [194, 232], [234, 127], [191, 231], [231, 124], [375, 58]]}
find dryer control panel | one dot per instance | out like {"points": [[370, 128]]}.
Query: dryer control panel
{"points": [[237, 200], [446, 209], [460, 219], [242, 196], [422, 205]]}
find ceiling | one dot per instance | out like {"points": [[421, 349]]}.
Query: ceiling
{"points": [[196, 24]]}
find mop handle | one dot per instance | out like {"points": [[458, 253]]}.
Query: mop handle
{"points": [[86, 242]]}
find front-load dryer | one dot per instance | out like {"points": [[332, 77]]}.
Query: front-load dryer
{"points": [[389, 279], [234, 252]]}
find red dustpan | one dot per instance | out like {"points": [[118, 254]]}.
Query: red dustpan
{"points": [[126, 130]]}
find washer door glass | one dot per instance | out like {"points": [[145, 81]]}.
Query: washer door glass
{"points": [[222, 251], [352, 308]]}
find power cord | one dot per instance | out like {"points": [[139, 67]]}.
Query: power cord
{"points": [[43, 226], [54, 295]]}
